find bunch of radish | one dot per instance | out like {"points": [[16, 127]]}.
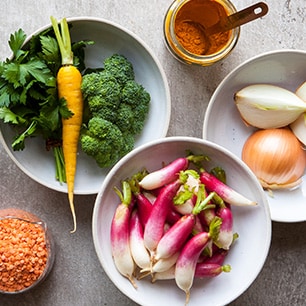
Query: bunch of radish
{"points": [[174, 223]]}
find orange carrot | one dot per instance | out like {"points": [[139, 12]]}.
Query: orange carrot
{"points": [[69, 81]]}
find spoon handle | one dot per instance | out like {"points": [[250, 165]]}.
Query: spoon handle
{"points": [[246, 15], [239, 18]]}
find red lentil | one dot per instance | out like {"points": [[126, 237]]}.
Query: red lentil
{"points": [[23, 254]]}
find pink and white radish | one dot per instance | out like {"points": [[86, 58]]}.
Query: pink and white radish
{"points": [[154, 228], [217, 257], [144, 207], [226, 235], [138, 249], [165, 264], [173, 216], [204, 269], [224, 191], [165, 175], [187, 261], [169, 173], [165, 275], [120, 234], [175, 237]]}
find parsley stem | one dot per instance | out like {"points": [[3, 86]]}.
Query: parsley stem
{"points": [[60, 173]]}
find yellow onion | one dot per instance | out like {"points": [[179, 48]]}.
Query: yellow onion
{"points": [[298, 127], [276, 157], [267, 106]]}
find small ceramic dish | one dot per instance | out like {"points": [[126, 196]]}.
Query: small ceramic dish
{"points": [[224, 126]]}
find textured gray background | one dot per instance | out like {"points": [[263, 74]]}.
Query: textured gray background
{"points": [[77, 278]]}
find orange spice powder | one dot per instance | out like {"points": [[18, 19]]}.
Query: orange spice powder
{"points": [[23, 254], [192, 19]]}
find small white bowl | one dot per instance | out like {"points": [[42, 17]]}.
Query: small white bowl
{"points": [[253, 224], [109, 38], [224, 126]]}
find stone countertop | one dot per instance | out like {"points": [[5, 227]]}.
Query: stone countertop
{"points": [[77, 277]]}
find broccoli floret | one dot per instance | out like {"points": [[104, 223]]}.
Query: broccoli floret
{"points": [[100, 90], [103, 141], [119, 67], [125, 117], [129, 142], [134, 93], [107, 113]]}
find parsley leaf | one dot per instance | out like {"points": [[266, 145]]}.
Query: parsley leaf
{"points": [[16, 41], [8, 116]]}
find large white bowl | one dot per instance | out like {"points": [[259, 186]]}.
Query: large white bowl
{"points": [[109, 38], [253, 224], [223, 124]]}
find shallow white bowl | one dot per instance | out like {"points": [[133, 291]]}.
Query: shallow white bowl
{"points": [[223, 124], [109, 38], [253, 224]]}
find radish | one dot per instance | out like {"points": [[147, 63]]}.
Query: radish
{"points": [[204, 269], [226, 236], [185, 208], [119, 234], [164, 264], [154, 228], [224, 191], [138, 250], [143, 203], [207, 215], [174, 239], [173, 216], [164, 175], [144, 207], [165, 275], [176, 236], [169, 173], [187, 261], [217, 257], [186, 197]]}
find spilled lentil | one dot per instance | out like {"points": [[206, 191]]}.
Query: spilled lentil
{"points": [[23, 254]]}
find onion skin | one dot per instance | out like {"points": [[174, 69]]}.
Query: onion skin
{"points": [[276, 157]]}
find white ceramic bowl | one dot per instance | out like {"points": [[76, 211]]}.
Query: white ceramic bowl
{"points": [[223, 124], [109, 38], [246, 257]]}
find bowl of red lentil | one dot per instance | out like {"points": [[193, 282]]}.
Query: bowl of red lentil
{"points": [[26, 251]]}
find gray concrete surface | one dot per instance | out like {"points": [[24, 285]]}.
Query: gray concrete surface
{"points": [[77, 277]]}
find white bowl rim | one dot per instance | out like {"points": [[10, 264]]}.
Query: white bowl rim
{"points": [[170, 139], [160, 69]]}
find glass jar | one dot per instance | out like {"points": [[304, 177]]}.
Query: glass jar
{"points": [[26, 251], [184, 23]]}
